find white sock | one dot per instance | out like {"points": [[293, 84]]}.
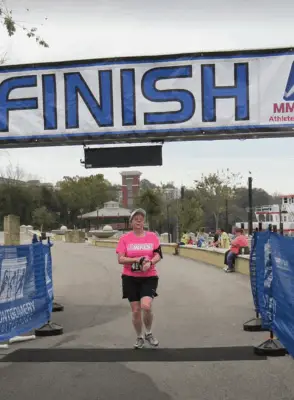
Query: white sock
{"points": [[148, 332]]}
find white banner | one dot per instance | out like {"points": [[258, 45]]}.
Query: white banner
{"points": [[146, 98]]}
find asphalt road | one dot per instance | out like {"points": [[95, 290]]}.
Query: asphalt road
{"points": [[204, 353]]}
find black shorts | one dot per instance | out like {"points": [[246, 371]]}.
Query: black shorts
{"points": [[134, 288]]}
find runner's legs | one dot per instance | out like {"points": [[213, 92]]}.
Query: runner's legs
{"points": [[146, 306], [137, 317]]}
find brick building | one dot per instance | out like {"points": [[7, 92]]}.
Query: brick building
{"points": [[130, 187]]}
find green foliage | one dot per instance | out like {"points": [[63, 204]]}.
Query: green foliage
{"points": [[214, 190], [52, 206], [11, 25], [202, 205], [42, 218], [151, 201], [191, 215], [87, 193]]}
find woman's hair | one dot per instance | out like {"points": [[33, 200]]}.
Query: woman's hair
{"points": [[139, 211]]}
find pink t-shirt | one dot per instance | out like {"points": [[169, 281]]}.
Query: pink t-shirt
{"points": [[133, 246], [239, 241]]}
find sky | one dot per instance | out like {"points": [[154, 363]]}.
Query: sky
{"points": [[108, 28]]}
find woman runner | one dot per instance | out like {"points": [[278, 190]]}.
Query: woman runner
{"points": [[139, 251]]}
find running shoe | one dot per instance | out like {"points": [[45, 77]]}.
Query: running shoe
{"points": [[139, 343], [151, 340]]}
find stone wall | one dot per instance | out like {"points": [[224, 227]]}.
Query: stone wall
{"points": [[209, 256], [11, 230], [74, 237]]}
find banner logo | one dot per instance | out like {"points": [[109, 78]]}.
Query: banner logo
{"points": [[287, 106], [289, 91], [12, 279]]}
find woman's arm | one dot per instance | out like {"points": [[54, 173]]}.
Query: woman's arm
{"points": [[156, 258], [157, 255], [122, 259]]}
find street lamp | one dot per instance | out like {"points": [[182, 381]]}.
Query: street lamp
{"points": [[81, 214], [97, 209], [250, 208]]}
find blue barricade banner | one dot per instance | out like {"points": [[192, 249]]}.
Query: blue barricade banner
{"points": [[267, 285], [48, 273], [283, 290], [24, 301], [263, 277], [252, 266]]}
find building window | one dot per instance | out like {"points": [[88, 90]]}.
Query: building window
{"points": [[285, 218], [285, 200]]}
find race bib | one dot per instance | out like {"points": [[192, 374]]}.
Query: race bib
{"points": [[136, 267]]}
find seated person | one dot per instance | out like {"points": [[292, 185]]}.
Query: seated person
{"points": [[190, 241], [224, 240], [184, 239], [230, 256], [216, 239]]}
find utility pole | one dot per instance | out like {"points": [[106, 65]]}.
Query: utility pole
{"points": [[250, 210], [179, 210], [227, 215], [182, 209]]}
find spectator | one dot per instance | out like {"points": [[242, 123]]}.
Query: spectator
{"points": [[184, 239], [224, 240], [216, 239], [35, 238], [230, 256], [190, 241]]}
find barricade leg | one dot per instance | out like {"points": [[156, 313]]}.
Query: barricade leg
{"points": [[271, 347], [57, 307], [49, 329], [254, 325]]}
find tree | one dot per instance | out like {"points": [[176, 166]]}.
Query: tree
{"points": [[151, 201], [168, 185], [145, 184], [11, 25], [87, 193], [214, 190], [42, 218], [191, 215]]}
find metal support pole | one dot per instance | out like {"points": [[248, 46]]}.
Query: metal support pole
{"points": [[227, 215], [255, 324], [181, 211], [250, 204]]}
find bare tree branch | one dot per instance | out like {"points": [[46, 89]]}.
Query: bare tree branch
{"points": [[11, 25]]}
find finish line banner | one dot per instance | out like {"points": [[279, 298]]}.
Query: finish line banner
{"points": [[176, 97], [24, 300]]}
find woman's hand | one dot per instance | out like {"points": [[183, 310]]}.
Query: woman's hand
{"points": [[146, 265]]}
